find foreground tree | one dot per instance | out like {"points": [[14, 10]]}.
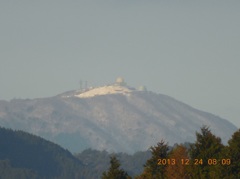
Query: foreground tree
{"points": [[176, 168], [154, 167], [114, 172], [231, 169], [205, 154]]}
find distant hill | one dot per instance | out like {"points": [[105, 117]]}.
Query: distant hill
{"points": [[99, 161], [26, 156], [115, 117], [23, 155]]}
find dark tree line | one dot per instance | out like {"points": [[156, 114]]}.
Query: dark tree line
{"points": [[206, 158], [23, 155]]}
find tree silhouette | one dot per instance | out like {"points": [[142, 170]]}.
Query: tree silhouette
{"points": [[114, 171], [204, 155], [177, 169], [154, 169], [232, 169]]}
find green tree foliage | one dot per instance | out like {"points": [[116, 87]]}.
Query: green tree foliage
{"points": [[114, 172], [153, 169], [31, 155], [204, 153], [232, 152], [23, 155], [7, 171]]}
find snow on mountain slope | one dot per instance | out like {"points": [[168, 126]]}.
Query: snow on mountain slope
{"points": [[114, 118], [104, 90]]}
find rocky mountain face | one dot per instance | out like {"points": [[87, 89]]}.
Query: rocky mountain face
{"points": [[115, 118]]}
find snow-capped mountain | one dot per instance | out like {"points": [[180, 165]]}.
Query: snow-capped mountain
{"points": [[112, 117]]}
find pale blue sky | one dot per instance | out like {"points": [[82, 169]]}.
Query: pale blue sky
{"points": [[185, 49]]}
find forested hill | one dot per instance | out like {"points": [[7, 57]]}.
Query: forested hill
{"points": [[23, 155], [26, 156]]}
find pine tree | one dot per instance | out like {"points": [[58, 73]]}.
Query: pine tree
{"points": [[205, 154], [114, 171], [154, 168], [231, 168]]}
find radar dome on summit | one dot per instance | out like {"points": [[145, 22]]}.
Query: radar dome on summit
{"points": [[142, 88], [120, 81]]}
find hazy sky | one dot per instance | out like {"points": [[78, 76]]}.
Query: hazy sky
{"points": [[186, 49]]}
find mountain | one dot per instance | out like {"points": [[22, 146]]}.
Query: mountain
{"points": [[26, 156], [23, 155], [99, 161], [115, 117]]}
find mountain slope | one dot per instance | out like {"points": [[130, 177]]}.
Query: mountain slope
{"points": [[114, 117], [29, 156]]}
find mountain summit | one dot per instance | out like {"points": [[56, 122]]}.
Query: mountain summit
{"points": [[119, 87], [115, 117]]}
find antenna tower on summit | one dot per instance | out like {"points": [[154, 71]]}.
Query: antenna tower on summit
{"points": [[80, 83]]}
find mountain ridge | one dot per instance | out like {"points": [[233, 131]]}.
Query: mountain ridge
{"points": [[118, 121], [24, 155]]}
